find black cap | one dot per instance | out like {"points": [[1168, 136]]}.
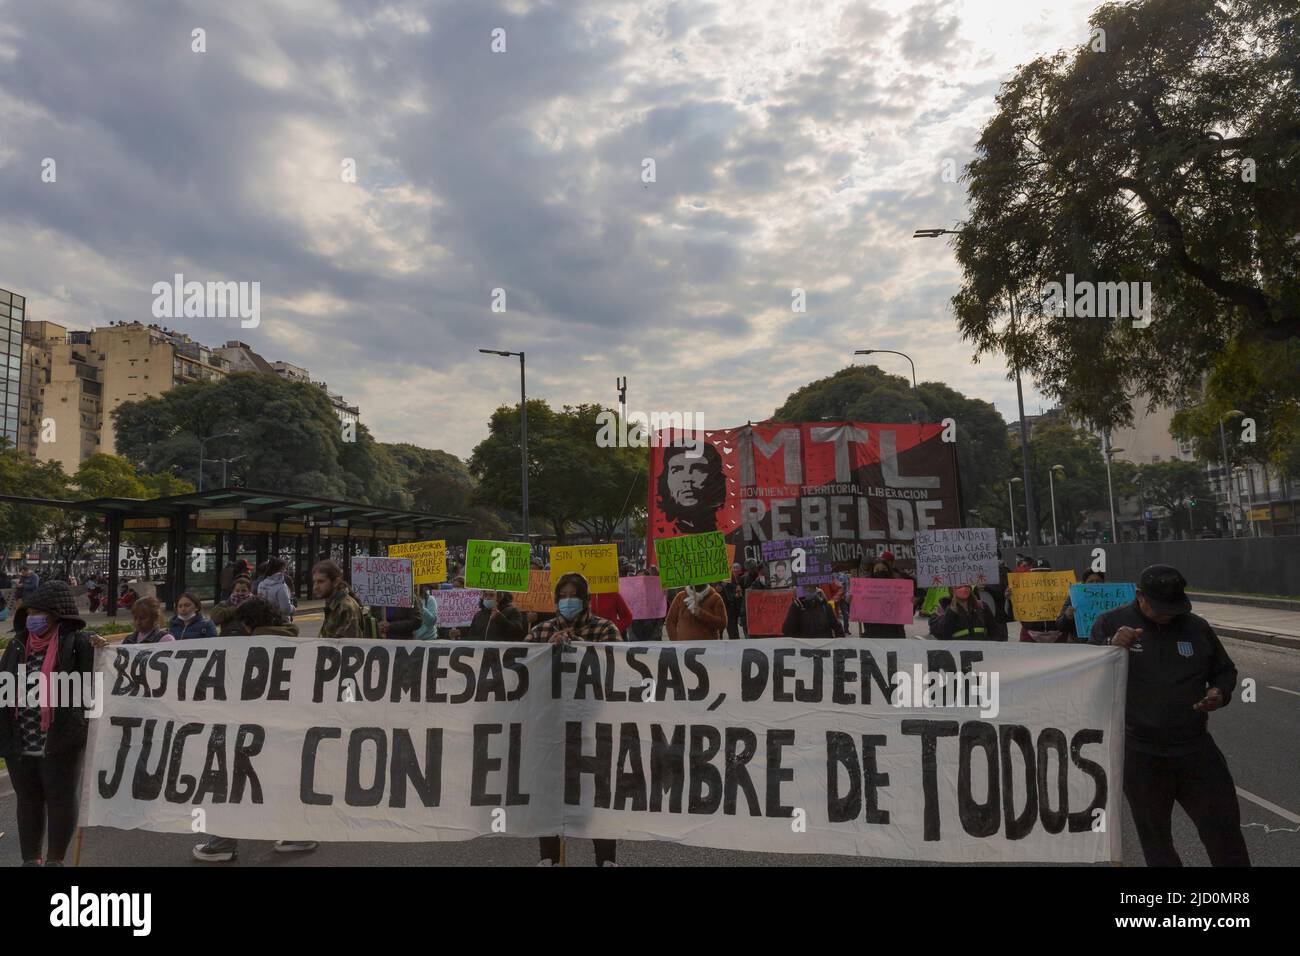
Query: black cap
{"points": [[1165, 589]]}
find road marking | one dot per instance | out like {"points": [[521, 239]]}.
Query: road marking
{"points": [[1269, 805], [1283, 690]]}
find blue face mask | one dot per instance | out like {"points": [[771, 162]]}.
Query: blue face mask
{"points": [[569, 608], [489, 603], [37, 623]]}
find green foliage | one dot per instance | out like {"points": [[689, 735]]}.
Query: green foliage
{"points": [[1171, 158], [571, 481], [1172, 485], [20, 525]]}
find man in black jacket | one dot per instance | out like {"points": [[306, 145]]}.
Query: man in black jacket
{"points": [[810, 615], [1178, 672]]}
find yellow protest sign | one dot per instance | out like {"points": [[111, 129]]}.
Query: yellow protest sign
{"points": [[598, 563], [1039, 595], [428, 559]]}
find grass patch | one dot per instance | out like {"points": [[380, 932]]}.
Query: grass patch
{"points": [[109, 628]]}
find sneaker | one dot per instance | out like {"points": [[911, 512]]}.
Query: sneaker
{"points": [[53, 862], [609, 863], [546, 863], [216, 850], [295, 846]]}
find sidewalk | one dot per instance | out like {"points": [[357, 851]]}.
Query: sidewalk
{"points": [[1262, 625]]}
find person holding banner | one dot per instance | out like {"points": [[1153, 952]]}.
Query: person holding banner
{"points": [[150, 625], [1178, 672], [697, 614], [967, 617], [574, 622], [811, 615], [497, 619], [342, 612], [223, 615], [188, 622], [42, 741]]}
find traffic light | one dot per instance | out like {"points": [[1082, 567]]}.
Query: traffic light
{"points": [[1192, 503]]}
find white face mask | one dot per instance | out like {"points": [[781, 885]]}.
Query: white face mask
{"points": [[186, 617]]}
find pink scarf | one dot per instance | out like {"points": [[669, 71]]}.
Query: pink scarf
{"points": [[49, 643]]}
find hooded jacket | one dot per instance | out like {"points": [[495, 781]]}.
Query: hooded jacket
{"points": [[707, 624], [509, 625], [811, 616], [275, 592], [199, 627]]}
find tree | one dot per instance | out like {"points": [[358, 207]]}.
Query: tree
{"points": [[22, 525], [1174, 485], [868, 394], [571, 481], [1167, 152], [440, 483]]}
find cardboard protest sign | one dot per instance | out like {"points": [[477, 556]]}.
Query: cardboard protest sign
{"points": [[1091, 601], [957, 556], [798, 561], [428, 559], [692, 559], [645, 596], [765, 611], [880, 600], [1039, 595], [457, 608], [311, 748], [932, 598], [598, 563], [540, 596], [497, 565], [385, 582]]}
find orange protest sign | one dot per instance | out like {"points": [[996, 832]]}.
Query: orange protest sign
{"points": [[539, 596]]}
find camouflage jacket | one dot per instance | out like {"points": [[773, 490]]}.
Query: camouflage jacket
{"points": [[342, 616]]}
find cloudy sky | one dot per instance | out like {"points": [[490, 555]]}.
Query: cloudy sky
{"points": [[795, 145]]}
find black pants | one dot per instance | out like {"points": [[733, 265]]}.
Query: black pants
{"points": [[733, 626], [1202, 785], [48, 790], [604, 849]]}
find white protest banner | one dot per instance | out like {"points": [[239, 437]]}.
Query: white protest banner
{"points": [[385, 582], [956, 556], [274, 738], [797, 746], [457, 608], [792, 746]]}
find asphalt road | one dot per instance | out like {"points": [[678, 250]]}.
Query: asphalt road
{"points": [[1259, 740]]}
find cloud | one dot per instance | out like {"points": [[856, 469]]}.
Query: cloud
{"points": [[793, 146]]}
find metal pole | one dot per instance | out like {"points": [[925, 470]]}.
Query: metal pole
{"points": [[1227, 479], [1254, 525], [523, 442], [1110, 490], [202, 442], [1051, 487], [1031, 516], [1011, 508]]}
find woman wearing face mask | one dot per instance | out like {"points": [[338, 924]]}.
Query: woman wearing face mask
{"points": [[883, 632], [967, 618], [810, 615], [42, 741], [497, 619], [223, 615], [188, 622], [147, 615], [698, 614], [574, 621]]}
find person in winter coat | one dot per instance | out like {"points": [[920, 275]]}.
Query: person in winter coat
{"points": [[189, 622], [733, 599], [396, 623], [42, 742], [275, 590], [967, 617], [342, 612], [811, 615], [497, 619], [612, 606], [428, 629], [223, 615], [697, 614], [150, 624]]}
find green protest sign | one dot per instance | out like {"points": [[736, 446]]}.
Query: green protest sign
{"points": [[497, 565], [932, 598], [692, 559]]}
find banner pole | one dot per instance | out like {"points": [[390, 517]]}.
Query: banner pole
{"points": [[564, 855], [76, 847]]}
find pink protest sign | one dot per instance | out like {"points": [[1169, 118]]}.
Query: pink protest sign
{"points": [[880, 600], [645, 596]]}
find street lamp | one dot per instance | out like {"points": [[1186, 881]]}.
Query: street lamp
{"points": [[1107, 451], [915, 394], [1052, 472], [1250, 476], [1227, 468], [1011, 507], [523, 431], [203, 442], [1031, 513]]}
